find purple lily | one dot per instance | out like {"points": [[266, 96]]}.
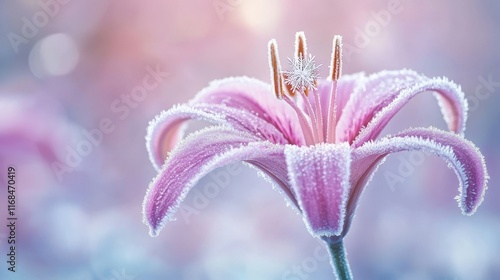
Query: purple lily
{"points": [[315, 139]]}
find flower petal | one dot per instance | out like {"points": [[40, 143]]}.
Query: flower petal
{"points": [[193, 158], [254, 97], [382, 95], [167, 129], [460, 154], [243, 103], [319, 176], [368, 97], [345, 88]]}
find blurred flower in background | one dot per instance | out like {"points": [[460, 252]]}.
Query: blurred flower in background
{"points": [[91, 74]]}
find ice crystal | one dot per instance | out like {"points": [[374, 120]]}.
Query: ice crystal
{"points": [[303, 74]]}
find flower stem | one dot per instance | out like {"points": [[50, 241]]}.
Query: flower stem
{"points": [[339, 261]]}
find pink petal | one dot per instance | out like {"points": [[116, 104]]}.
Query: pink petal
{"points": [[193, 158], [243, 103], [167, 129], [368, 97], [319, 176], [345, 87], [460, 154], [450, 98], [382, 95], [256, 98]]}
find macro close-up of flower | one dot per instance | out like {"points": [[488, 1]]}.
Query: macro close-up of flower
{"points": [[232, 139], [321, 165]]}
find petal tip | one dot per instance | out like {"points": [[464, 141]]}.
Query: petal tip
{"points": [[153, 224], [468, 210], [154, 232]]}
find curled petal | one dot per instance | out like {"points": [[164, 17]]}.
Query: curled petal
{"points": [[167, 129], [370, 95], [451, 99], [364, 118], [460, 154], [193, 158], [243, 103], [319, 176]]}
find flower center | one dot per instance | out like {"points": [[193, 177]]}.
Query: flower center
{"points": [[293, 86]]}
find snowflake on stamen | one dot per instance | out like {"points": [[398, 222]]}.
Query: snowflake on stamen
{"points": [[303, 74]]}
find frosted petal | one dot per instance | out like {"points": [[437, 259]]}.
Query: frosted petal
{"points": [[257, 98], [243, 103], [167, 129], [460, 154], [193, 158], [450, 98], [380, 96], [319, 176]]}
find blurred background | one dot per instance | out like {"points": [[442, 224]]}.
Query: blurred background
{"points": [[73, 121]]}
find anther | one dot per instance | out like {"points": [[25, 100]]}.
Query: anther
{"points": [[336, 64], [288, 86], [300, 45], [275, 66]]}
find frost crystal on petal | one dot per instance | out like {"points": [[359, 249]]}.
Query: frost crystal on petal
{"points": [[303, 74], [460, 154]]}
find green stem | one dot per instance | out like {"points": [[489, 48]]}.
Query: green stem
{"points": [[340, 264]]}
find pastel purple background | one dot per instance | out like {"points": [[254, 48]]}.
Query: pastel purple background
{"points": [[88, 225]]}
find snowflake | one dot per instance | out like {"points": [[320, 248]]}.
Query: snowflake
{"points": [[303, 75]]}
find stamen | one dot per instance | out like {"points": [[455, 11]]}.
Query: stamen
{"points": [[319, 116], [336, 66], [275, 66], [288, 87], [335, 72], [277, 79], [312, 115], [319, 113], [304, 122], [301, 79], [300, 45]]}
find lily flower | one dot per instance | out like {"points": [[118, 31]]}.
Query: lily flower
{"points": [[315, 139]]}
